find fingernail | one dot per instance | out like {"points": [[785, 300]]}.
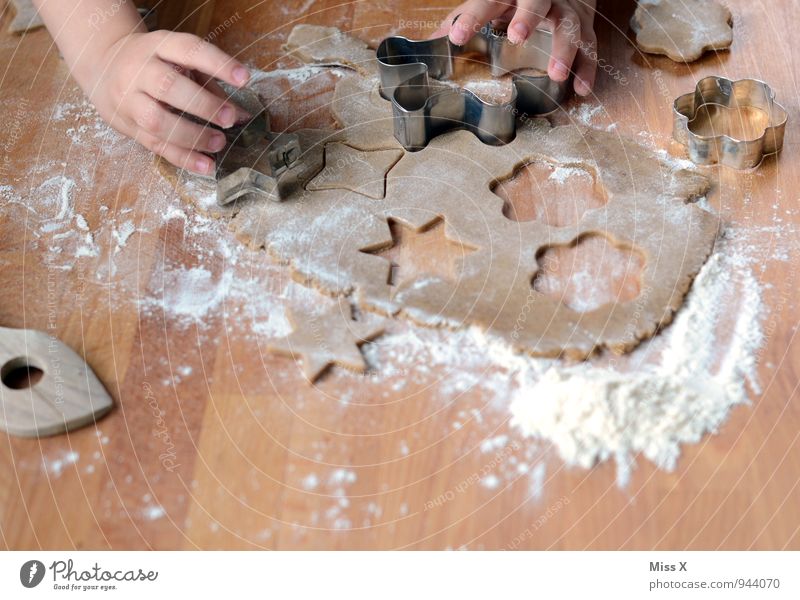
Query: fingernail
{"points": [[242, 116], [226, 116], [518, 33], [459, 34], [217, 142], [203, 165], [560, 71], [581, 87], [241, 75]]}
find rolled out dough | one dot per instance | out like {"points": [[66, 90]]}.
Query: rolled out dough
{"points": [[332, 237], [682, 29], [330, 46]]}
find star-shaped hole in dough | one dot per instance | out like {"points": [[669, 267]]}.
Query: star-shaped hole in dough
{"points": [[332, 337], [682, 29], [360, 171], [425, 252]]}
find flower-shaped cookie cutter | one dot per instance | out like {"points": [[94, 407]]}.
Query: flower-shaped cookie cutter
{"points": [[422, 110], [709, 107]]}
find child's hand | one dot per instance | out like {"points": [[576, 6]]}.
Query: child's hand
{"points": [[572, 29], [141, 78]]}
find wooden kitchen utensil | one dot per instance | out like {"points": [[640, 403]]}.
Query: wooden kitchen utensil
{"points": [[46, 387]]}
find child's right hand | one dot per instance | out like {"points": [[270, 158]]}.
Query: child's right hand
{"points": [[139, 83], [572, 22]]}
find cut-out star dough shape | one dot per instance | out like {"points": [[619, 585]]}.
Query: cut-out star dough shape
{"points": [[360, 171], [329, 46], [425, 252], [327, 339], [682, 29]]}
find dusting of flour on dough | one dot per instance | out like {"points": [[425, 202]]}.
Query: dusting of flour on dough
{"points": [[585, 113], [296, 76]]}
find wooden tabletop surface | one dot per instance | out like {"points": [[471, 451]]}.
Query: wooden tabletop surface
{"points": [[213, 443]]}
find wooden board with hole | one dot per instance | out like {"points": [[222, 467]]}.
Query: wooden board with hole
{"points": [[217, 444], [46, 389]]}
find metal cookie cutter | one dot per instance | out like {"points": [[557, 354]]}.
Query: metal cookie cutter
{"points": [[255, 160], [760, 122], [422, 111]]}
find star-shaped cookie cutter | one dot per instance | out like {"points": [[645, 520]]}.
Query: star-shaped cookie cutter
{"points": [[255, 161], [715, 95], [423, 110]]}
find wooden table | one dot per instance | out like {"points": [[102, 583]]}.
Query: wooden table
{"points": [[209, 448]]}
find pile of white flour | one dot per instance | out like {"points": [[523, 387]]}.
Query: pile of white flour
{"points": [[592, 413]]}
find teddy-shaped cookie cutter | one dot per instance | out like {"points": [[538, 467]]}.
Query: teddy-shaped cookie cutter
{"points": [[423, 110], [715, 93]]}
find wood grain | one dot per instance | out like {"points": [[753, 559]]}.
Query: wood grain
{"points": [[241, 453]]}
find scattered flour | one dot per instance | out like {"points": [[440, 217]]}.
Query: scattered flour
{"points": [[122, 233], [585, 113], [295, 76], [310, 482], [154, 512], [490, 482], [342, 476], [228, 282], [562, 173], [56, 466], [193, 292], [538, 475], [494, 444], [53, 204]]}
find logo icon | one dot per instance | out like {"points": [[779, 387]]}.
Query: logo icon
{"points": [[31, 573]]}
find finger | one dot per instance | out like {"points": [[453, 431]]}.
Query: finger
{"points": [[195, 53], [156, 121], [212, 86], [586, 65], [501, 22], [566, 33], [446, 24], [183, 158], [474, 15], [527, 17], [585, 68], [167, 85]]}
